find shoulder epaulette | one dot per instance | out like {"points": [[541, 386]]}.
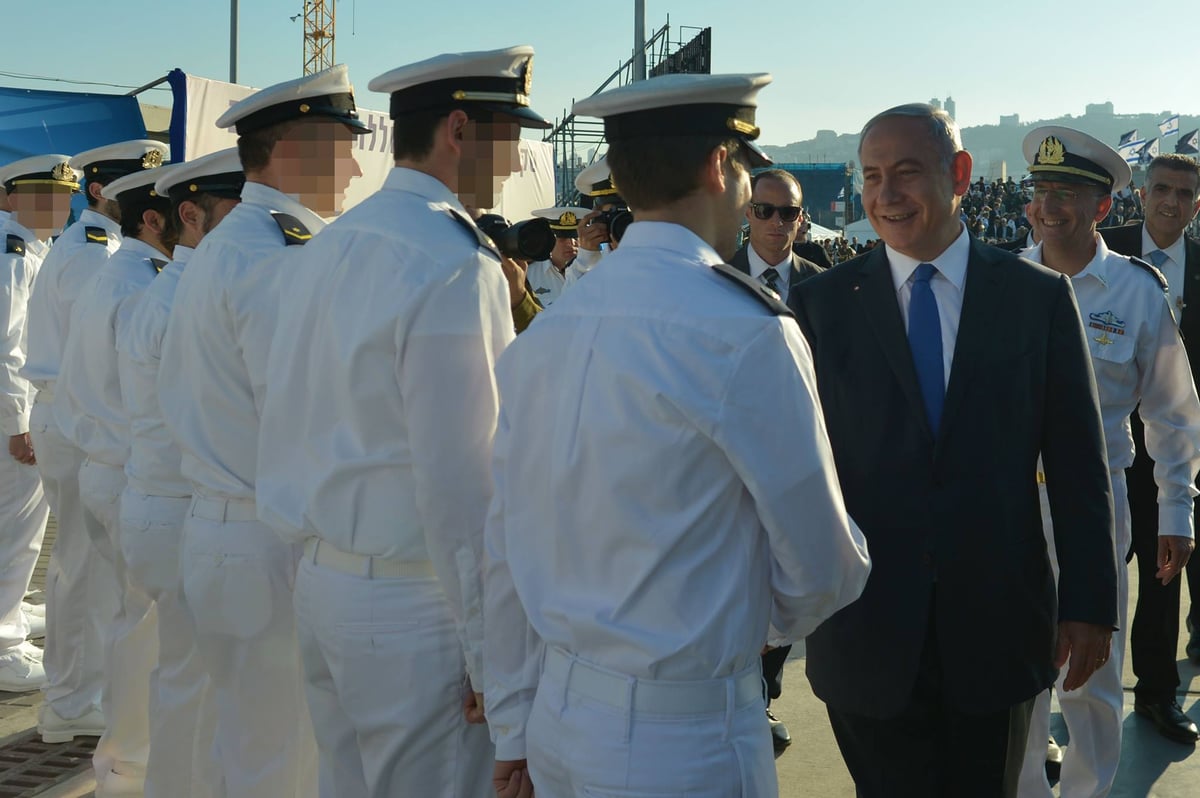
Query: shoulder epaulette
{"points": [[484, 240], [294, 231], [157, 263], [15, 245], [1154, 272], [95, 235], [754, 287]]}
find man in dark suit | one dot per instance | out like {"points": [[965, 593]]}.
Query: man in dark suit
{"points": [[1171, 196], [810, 250], [936, 436], [775, 216]]}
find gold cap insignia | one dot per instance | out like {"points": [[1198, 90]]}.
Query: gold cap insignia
{"points": [[568, 218], [744, 128], [152, 159], [193, 188], [1051, 152], [304, 108], [527, 76], [63, 173]]}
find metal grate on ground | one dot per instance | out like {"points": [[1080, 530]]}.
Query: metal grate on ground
{"points": [[29, 766]]}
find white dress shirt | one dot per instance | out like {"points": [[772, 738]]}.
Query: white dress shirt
{"points": [[1138, 357], [153, 466], [381, 400], [947, 285], [548, 282], [70, 265], [87, 402], [214, 353], [1172, 268], [17, 275], [784, 267], [664, 486]]}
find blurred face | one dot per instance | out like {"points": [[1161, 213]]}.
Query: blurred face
{"points": [[489, 157], [1065, 214], [772, 238], [44, 209], [565, 250], [1171, 199], [909, 195], [316, 164]]}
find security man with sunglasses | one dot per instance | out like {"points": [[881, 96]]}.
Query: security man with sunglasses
{"points": [[774, 213]]}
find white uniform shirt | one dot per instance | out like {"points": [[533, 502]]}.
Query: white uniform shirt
{"points": [[1138, 356], [17, 276], [1172, 268], [664, 485], [214, 353], [70, 265], [784, 268], [153, 465], [381, 401], [87, 402], [586, 259], [548, 282]]}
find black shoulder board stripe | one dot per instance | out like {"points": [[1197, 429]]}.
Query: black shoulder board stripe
{"points": [[758, 290], [96, 235], [484, 240], [294, 231], [1154, 272], [158, 264], [15, 245]]}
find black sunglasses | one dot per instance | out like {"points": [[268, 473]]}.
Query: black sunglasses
{"points": [[765, 210]]}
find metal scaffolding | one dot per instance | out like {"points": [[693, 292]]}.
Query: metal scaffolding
{"points": [[318, 35]]}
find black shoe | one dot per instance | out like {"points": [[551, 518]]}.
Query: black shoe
{"points": [[1193, 644], [779, 733], [1054, 760], [1169, 719]]}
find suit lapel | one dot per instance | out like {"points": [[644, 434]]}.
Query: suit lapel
{"points": [[796, 277], [877, 295], [978, 313], [741, 260]]}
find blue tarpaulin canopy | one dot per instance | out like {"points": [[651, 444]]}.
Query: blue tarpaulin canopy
{"points": [[34, 122]]}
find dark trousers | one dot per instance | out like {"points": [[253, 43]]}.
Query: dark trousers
{"points": [[1154, 630], [933, 749], [772, 668]]}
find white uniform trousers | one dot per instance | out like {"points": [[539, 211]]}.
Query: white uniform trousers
{"points": [[386, 677], [23, 514], [237, 584], [182, 714], [1093, 713], [130, 643], [596, 733], [81, 589]]}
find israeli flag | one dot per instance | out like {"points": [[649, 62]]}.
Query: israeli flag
{"points": [[1128, 138], [1169, 126], [1131, 151]]}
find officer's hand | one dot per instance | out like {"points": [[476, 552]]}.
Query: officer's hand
{"points": [[1087, 645], [511, 779], [1174, 551], [21, 449], [473, 708], [514, 272], [591, 236]]}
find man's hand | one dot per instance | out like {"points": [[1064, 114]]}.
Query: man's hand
{"points": [[591, 236], [21, 448], [514, 272], [1174, 551], [511, 779], [473, 708], [1087, 645]]}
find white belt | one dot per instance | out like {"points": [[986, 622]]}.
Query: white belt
{"points": [[224, 509], [655, 697], [321, 553]]}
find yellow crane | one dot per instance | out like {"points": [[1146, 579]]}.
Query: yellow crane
{"points": [[318, 35]]}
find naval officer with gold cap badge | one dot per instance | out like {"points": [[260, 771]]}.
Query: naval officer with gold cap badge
{"points": [[156, 496], [39, 190], [1139, 362], [682, 504], [295, 144], [549, 278], [380, 467]]}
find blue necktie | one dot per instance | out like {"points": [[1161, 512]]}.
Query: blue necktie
{"points": [[925, 340], [1157, 257]]}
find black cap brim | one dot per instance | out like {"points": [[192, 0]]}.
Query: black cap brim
{"points": [[525, 116], [758, 158]]}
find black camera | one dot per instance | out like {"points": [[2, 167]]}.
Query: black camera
{"points": [[618, 221], [531, 240]]}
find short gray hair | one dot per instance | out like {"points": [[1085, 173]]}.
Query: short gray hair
{"points": [[942, 128]]}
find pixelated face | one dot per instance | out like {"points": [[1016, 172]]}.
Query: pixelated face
{"points": [[489, 157], [43, 208], [565, 250], [1066, 213], [772, 237], [316, 164], [1171, 198]]}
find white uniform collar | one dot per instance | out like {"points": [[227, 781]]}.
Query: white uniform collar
{"points": [[93, 218], [181, 254], [275, 200], [1177, 252], [1097, 267], [423, 185], [11, 225], [672, 237], [951, 264], [140, 249]]}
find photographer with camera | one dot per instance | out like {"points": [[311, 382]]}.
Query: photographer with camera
{"points": [[549, 276], [599, 231]]}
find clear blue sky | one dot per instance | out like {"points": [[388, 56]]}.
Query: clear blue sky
{"points": [[835, 63]]}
